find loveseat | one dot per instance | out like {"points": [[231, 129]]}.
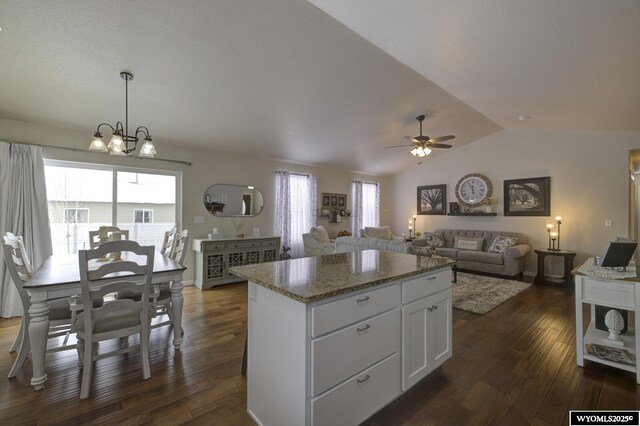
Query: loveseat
{"points": [[509, 263]]}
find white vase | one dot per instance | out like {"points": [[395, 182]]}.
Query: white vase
{"points": [[487, 209]]}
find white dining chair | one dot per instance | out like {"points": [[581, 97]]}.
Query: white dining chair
{"points": [[167, 241], [116, 319], [161, 295], [61, 312], [94, 236]]}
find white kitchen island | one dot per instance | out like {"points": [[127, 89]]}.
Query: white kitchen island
{"points": [[333, 339]]}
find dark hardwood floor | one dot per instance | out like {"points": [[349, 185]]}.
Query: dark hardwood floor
{"points": [[515, 365]]}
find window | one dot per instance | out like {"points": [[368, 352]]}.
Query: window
{"points": [[83, 197], [295, 204], [370, 204], [142, 216], [366, 205], [72, 215]]}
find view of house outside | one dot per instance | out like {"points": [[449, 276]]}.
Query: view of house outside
{"points": [[82, 199]]}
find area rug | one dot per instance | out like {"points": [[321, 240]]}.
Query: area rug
{"points": [[479, 294]]}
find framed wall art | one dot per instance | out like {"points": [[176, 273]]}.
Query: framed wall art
{"points": [[432, 199], [527, 197], [334, 201]]}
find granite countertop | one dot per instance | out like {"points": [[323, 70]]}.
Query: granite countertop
{"points": [[310, 279]]}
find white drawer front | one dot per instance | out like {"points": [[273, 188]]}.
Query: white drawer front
{"points": [[357, 399], [425, 285], [340, 355], [334, 315], [608, 293]]}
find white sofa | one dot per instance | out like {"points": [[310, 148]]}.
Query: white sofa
{"points": [[349, 244], [316, 242]]}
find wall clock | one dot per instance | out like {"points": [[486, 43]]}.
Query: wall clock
{"points": [[473, 189]]}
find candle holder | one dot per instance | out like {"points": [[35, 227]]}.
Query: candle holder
{"points": [[549, 226], [554, 236], [559, 222], [414, 225]]}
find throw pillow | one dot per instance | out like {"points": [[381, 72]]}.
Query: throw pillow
{"points": [[421, 251], [465, 243], [381, 233], [501, 243], [320, 234], [434, 240]]}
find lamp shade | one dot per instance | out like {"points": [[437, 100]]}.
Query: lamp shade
{"points": [[147, 150], [117, 151], [97, 145], [116, 141]]}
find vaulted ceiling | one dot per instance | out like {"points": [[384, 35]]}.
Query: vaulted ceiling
{"points": [[282, 79]]}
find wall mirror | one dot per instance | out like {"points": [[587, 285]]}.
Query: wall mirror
{"points": [[233, 200]]}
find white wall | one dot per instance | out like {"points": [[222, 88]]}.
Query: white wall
{"points": [[209, 167], [589, 183]]}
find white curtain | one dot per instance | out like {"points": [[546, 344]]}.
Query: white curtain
{"points": [[295, 208], [366, 205], [23, 211]]}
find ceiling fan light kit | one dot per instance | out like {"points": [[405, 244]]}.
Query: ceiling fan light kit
{"points": [[422, 144], [122, 143]]}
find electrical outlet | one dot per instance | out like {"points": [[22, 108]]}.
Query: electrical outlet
{"points": [[198, 219], [252, 291], [608, 223]]}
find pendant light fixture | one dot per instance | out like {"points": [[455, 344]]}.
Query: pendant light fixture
{"points": [[122, 143]]}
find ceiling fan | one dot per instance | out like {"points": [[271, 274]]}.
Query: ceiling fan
{"points": [[422, 144]]}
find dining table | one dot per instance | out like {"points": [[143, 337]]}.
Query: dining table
{"points": [[59, 276]]}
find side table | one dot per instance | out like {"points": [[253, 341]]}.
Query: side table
{"points": [[566, 280]]}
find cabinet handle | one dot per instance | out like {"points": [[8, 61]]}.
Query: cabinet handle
{"points": [[431, 278], [430, 308], [363, 300], [363, 329], [435, 307], [361, 381]]}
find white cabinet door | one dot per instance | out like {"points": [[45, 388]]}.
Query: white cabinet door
{"points": [[415, 323], [439, 334], [426, 336]]}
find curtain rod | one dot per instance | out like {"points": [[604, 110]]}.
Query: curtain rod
{"points": [[187, 163]]}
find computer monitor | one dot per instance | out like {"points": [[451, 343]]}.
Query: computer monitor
{"points": [[619, 254]]}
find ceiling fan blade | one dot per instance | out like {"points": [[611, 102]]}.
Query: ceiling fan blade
{"points": [[411, 138], [442, 138], [397, 146], [439, 145]]}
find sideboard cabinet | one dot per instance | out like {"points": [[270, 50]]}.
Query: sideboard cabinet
{"points": [[215, 257]]}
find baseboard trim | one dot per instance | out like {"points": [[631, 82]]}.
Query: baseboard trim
{"points": [[530, 274], [187, 283]]}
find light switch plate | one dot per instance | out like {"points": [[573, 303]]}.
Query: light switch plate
{"points": [[252, 291], [608, 223], [199, 219]]}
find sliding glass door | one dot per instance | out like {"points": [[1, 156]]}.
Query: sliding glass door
{"points": [[83, 197]]}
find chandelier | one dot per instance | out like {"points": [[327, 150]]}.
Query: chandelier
{"points": [[122, 143]]}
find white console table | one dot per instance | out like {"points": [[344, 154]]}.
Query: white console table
{"points": [[215, 257], [334, 338], [621, 293]]}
